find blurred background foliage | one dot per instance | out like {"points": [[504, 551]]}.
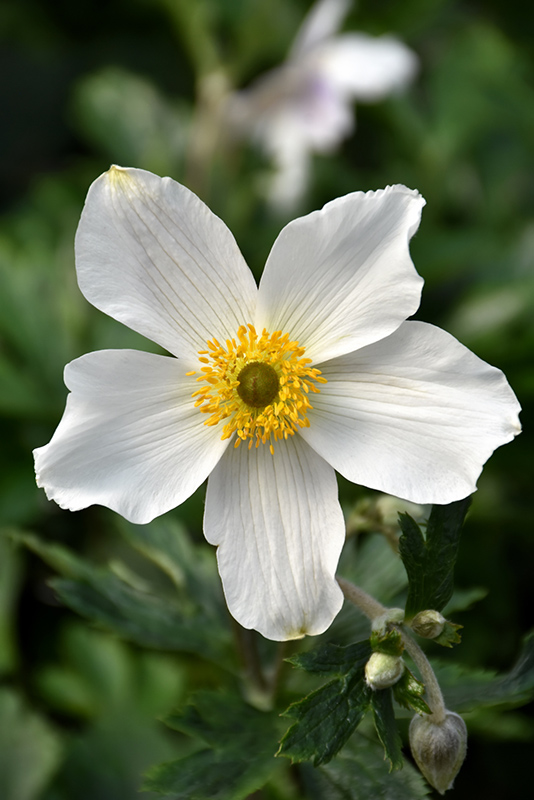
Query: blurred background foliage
{"points": [[88, 84]]}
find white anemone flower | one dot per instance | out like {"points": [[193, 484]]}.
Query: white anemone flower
{"points": [[305, 106], [269, 389]]}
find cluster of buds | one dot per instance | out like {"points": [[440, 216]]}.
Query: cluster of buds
{"points": [[438, 739]]}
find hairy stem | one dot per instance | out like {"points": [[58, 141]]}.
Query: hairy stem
{"points": [[434, 695], [370, 607]]}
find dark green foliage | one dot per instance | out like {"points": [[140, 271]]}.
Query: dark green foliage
{"points": [[408, 692], [327, 717], [430, 557], [389, 642], [449, 635], [466, 690], [236, 755], [358, 773], [142, 616], [386, 727]]}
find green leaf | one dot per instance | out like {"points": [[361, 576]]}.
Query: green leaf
{"points": [[358, 774], [327, 717], [389, 642], [130, 121], [143, 617], [237, 757], [140, 617], [10, 580], [449, 635], [429, 560], [332, 659], [386, 727], [29, 750], [192, 568], [101, 675], [408, 692], [467, 690]]}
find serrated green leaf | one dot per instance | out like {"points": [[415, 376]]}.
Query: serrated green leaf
{"points": [[449, 635], [140, 617], [358, 774], [143, 617], [192, 568], [386, 727], [55, 555], [239, 757], [408, 692], [466, 690], [430, 559], [332, 659], [389, 643], [327, 717]]}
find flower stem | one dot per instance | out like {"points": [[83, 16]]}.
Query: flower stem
{"points": [[373, 609], [434, 695], [370, 607]]}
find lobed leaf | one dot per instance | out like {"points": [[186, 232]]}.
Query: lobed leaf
{"points": [[141, 616], [237, 753], [333, 659], [358, 774], [386, 727], [449, 635], [327, 717], [467, 690], [430, 559], [408, 692]]}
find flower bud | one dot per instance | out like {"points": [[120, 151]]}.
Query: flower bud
{"points": [[439, 748], [428, 624], [383, 670]]}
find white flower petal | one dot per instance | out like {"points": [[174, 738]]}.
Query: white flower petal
{"points": [[342, 278], [322, 21], [280, 530], [289, 180], [130, 438], [150, 254], [366, 67], [415, 415]]}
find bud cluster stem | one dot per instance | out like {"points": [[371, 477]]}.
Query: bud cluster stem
{"points": [[373, 609], [434, 696], [370, 607]]}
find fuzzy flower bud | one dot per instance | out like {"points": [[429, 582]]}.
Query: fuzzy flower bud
{"points": [[439, 748], [428, 624], [383, 670]]}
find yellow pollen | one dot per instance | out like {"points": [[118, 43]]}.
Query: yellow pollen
{"points": [[270, 372]]}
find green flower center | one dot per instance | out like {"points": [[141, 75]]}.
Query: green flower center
{"points": [[258, 384]]}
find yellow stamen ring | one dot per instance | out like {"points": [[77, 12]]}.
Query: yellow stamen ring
{"points": [[259, 384]]}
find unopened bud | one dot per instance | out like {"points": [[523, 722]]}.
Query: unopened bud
{"points": [[439, 748], [428, 624], [383, 670]]}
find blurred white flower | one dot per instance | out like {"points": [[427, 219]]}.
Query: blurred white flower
{"points": [[305, 105], [313, 371]]}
